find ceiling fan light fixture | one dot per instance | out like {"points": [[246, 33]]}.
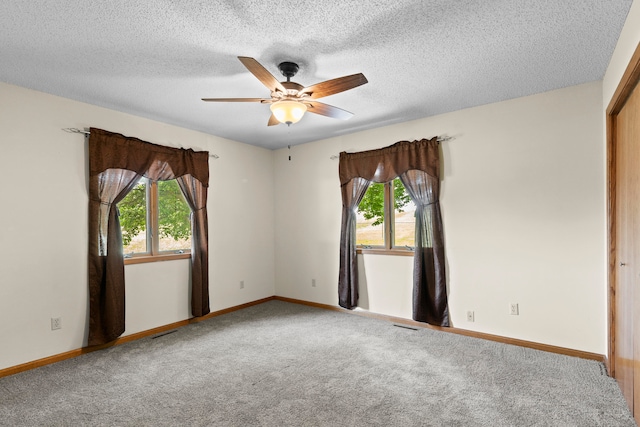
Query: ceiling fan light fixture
{"points": [[288, 111]]}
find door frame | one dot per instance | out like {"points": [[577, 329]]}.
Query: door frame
{"points": [[628, 82]]}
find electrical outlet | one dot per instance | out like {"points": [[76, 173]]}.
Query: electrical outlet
{"points": [[313, 283], [56, 323], [470, 316], [513, 309], [241, 284]]}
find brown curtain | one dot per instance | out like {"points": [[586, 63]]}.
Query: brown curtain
{"points": [[196, 195], [116, 163], [352, 194], [106, 269], [429, 281], [417, 164]]}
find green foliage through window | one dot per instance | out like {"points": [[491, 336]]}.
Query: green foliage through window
{"points": [[173, 212], [386, 217], [137, 215], [133, 212], [372, 204]]}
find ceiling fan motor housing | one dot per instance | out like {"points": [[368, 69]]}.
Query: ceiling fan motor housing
{"points": [[288, 69]]}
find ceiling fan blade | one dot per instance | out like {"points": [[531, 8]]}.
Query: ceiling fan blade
{"points": [[328, 110], [235, 99], [273, 121], [338, 85], [262, 74]]}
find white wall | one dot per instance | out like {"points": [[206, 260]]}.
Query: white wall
{"points": [[522, 202], [43, 226]]}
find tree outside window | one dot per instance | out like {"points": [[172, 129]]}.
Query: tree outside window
{"points": [[382, 224], [155, 208]]}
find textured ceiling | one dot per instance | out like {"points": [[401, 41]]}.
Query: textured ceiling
{"points": [[157, 58]]}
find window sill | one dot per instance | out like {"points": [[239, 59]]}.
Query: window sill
{"points": [[395, 252], [155, 258]]}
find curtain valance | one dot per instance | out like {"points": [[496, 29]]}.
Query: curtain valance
{"points": [[108, 150], [385, 164]]}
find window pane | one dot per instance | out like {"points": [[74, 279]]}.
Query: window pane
{"points": [[174, 217], [404, 213], [133, 219], [370, 219]]}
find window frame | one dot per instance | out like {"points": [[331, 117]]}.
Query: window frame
{"points": [[153, 253], [388, 229]]}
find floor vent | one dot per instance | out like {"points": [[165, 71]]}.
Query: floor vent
{"points": [[162, 335], [405, 327]]}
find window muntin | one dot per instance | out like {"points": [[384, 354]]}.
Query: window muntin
{"points": [[386, 218], [155, 220]]}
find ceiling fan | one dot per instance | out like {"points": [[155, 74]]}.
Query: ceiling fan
{"points": [[290, 100]]}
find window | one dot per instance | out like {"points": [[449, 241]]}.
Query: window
{"points": [[155, 222], [386, 219]]}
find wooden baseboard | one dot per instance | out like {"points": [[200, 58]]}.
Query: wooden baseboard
{"points": [[138, 335], [474, 334]]}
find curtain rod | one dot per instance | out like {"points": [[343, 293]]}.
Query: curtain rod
{"points": [[442, 138], [87, 133]]}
